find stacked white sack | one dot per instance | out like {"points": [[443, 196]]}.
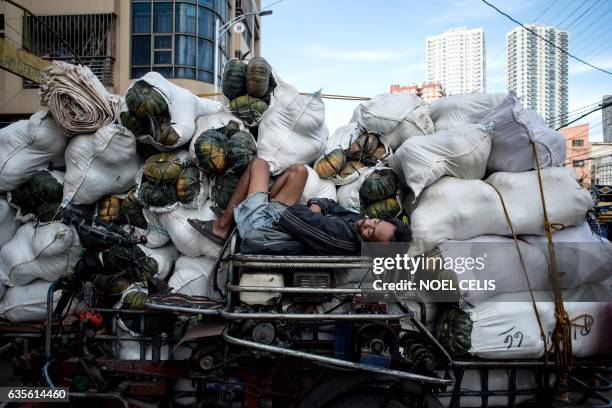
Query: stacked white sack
{"points": [[397, 116], [515, 128], [27, 146], [76, 97], [100, 164], [193, 277], [506, 326], [316, 187], [165, 257], [292, 130], [461, 151], [37, 252], [8, 223], [184, 108], [582, 257], [186, 239], [27, 303], [459, 209], [461, 109]]}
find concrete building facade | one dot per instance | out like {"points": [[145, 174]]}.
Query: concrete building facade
{"points": [[606, 119], [578, 150], [601, 163], [456, 59], [429, 91], [538, 72], [123, 39]]}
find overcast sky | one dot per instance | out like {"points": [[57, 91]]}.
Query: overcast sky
{"points": [[357, 47]]}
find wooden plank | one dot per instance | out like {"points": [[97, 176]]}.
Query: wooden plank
{"points": [[20, 62]]}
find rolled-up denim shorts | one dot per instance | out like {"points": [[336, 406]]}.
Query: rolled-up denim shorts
{"points": [[257, 211]]}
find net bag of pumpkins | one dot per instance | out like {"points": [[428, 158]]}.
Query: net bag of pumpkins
{"points": [[375, 194], [39, 198], [169, 180], [248, 86], [349, 151], [147, 262], [161, 113]]}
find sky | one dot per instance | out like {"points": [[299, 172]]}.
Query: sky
{"points": [[359, 48]]}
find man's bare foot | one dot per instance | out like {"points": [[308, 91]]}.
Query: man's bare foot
{"points": [[218, 231], [207, 228]]}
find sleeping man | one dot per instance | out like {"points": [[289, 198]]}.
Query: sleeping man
{"points": [[272, 222]]}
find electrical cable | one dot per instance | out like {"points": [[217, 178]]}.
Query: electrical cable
{"points": [[602, 106], [552, 44], [572, 13]]}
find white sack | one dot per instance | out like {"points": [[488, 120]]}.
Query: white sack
{"points": [[8, 223], [459, 209], [461, 151], [397, 116], [514, 130], [155, 236], [292, 130], [460, 109], [100, 164], [193, 276], [186, 239], [27, 146], [165, 257], [342, 139], [316, 187], [348, 194], [213, 121], [184, 108], [582, 257], [41, 252], [27, 303]]}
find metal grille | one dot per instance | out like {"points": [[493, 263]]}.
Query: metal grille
{"points": [[92, 36]]}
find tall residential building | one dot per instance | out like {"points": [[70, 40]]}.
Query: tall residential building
{"points": [[122, 40], [606, 119], [538, 72], [456, 59], [430, 91]]}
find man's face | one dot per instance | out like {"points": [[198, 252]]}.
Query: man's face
{"points": [[375, 230]]}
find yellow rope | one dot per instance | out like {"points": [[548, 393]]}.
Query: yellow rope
{"points": [[524, 269], [562, 340]]}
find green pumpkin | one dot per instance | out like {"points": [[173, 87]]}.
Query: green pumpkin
{"points": [[163, 168], [258, 77], [350, 167], [241, 150], [248, 109], [379, 185], [365, 144], [210, 151], [234, 79], [271, 86], [144, 101], [109, 208], [384, 209], [131, 211], [157, 195], [112, 284], [118, 258], [223, 187], [331, 163], [46, 187], [167, 135], [230, 129], [134, 125], [454, 331], [188, 185]]}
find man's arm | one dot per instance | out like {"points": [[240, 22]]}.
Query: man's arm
{"points": [[325, 206], [322, 234]]}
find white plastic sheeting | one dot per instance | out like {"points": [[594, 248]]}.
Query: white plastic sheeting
{"points": [[8, 223], [316, 187], [27, 303], [460, 109], [193, 276]]}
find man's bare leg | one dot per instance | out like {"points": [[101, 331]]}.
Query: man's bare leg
{"points": [[288, 188], [254, 179]]}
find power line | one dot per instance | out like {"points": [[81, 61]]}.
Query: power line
{"points": [[544, 39], [572, 13], [590, 28], [582, 15], [552, 3], [602, 106]]}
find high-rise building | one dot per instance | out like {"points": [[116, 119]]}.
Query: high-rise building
{"points": [[538, 71], [606, 119], [429, 91], [456, 59], [122, 40]]}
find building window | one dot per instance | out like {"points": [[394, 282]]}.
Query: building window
{"points": [[578, 163], [175, 38], [577, 143], [1, 25]]}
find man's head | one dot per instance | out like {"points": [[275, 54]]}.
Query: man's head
{"points": [[377, 230]]}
